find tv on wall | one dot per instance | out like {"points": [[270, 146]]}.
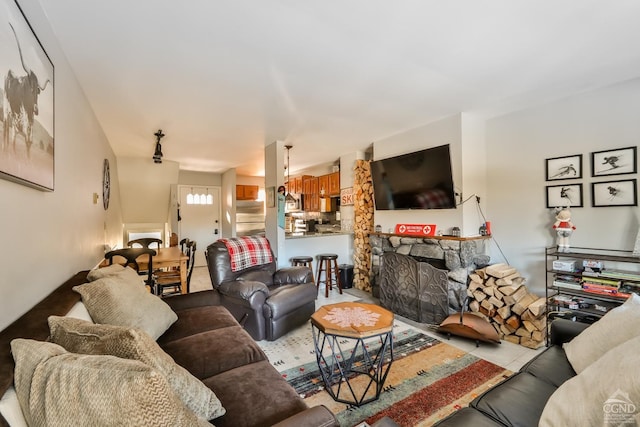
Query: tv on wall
{"points": [[418, 180]]}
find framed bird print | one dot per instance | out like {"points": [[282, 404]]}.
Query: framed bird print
{"points": [[614, 162]]}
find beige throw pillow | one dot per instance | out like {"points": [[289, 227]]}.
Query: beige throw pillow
{"points": [[116, 301], [79, 336], [109, 270], [606, 393], [57, 388], [615, 327]]}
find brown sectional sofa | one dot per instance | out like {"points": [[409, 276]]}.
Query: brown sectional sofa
{"points": [[209, 343]]}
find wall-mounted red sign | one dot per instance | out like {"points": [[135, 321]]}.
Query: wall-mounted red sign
{"points": [[416, 229]]}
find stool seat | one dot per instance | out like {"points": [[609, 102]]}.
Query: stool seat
{"points": [[329, 264]]}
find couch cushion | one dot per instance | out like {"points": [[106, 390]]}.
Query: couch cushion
{"points": [[254, 395], [468, 417], [520, 397], [78, 336], [600, 395], [115, 300], [53, 386], [197, 320], [551, 366], [604, 334], [211, 352]]}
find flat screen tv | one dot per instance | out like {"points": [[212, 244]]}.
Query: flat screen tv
{"points": [[418, 180]]}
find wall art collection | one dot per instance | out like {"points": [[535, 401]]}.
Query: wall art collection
{"points": [[605, 192]]}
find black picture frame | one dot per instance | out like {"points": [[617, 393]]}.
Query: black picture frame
{"points": [[28, 139], [620, 161], [614, 193], [567, 195], [565, 167]]}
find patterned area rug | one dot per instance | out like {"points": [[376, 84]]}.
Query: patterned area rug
{"points": [[427, 381]]}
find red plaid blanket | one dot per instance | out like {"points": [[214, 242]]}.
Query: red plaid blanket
{"points": [[248, 251]]}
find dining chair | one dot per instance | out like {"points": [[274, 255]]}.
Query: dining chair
{"points": [[145, 242], [131, 256], [171, 279]]}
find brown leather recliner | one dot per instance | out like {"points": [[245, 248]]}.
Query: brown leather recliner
{"points": [[268, 302]]}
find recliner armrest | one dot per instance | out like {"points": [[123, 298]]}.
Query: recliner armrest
{"points": [[318, 416], [563, 330], [292, 275], [243, 289]]}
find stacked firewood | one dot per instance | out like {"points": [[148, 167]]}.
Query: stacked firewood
{"points": [[498, 293], [363, 225]]}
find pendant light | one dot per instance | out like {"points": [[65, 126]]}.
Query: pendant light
{"points": [[289, 198]]}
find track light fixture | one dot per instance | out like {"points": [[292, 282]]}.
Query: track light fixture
{"points": [[157, 155]]}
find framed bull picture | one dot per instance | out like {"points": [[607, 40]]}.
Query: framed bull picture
{"points": [[27, 119]]}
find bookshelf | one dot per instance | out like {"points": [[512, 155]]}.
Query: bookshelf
{"points": [[585, 283]]}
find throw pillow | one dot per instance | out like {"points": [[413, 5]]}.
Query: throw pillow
{"points": [[55, 387], [79, 336], [606, 393], [99, 273], [615, 327], [115, 301]]}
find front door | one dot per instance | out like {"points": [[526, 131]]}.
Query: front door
{"points": [[200, 217]]}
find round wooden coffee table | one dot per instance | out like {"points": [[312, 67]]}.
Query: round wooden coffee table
{"points": [[354, 350]]}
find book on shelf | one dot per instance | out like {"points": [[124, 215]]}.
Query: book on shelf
{"points": [[567, 285], [601, 281], [604, 290], [620, 274]]}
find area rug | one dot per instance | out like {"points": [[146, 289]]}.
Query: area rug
{"points": [[427, 381]]}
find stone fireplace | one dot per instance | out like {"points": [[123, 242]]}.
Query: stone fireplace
{"points": [[442, 265]]}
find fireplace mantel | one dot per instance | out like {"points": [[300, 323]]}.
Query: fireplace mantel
{"points": [[460, 239]]}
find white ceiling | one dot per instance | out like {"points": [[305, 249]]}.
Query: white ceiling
{"points": [[224, 78]]}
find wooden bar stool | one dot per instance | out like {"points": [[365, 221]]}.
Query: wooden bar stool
{"points": [[306, 261], [329, 264]]}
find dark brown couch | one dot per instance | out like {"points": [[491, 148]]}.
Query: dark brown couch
{"points": [[209, 343]]}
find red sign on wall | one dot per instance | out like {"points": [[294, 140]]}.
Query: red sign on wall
{"points": [[416, 229]]}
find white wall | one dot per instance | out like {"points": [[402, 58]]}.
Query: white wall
{"points": [[49, 236], [517, 146]]}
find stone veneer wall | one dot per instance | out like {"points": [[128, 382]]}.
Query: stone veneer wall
{"points": [[461, 256]]}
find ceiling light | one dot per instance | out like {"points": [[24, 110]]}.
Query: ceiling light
{"points": [[157, 155]]}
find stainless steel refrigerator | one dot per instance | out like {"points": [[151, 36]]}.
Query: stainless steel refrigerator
{"points": [[249, 218]]}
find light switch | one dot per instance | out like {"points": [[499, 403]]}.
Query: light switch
{"points": [[95, 198]]}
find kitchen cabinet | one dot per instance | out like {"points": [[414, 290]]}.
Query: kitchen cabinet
{"points": [[306, 184], [323, 185], [334, 184], [246, 192]]}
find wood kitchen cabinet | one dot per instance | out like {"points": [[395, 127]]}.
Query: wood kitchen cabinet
{"points": [[334, 184], [323, 185], [246, 192]]}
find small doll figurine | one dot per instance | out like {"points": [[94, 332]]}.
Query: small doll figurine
{"points": [[564, 228]]}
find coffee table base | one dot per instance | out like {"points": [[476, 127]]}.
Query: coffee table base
{"points": [[340, 368]]}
